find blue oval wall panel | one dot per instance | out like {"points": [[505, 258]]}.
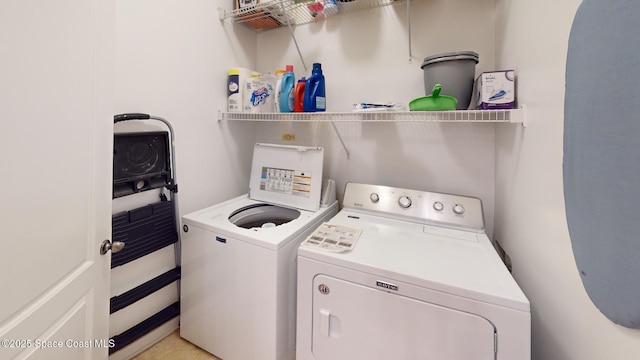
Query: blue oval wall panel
{"points": [[601, 165]]}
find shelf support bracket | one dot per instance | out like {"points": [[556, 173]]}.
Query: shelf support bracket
{"points": [[293, 36], [522, 115], [344, 146]]}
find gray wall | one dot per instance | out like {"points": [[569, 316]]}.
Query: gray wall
{"points": [[172, 59], [365, 58], [532, 37]]}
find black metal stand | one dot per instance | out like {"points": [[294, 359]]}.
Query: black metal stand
{"points": [[145, 230]]}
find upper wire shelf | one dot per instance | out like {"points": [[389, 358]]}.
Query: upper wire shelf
{"points": [[270, 14], [470, 116]]}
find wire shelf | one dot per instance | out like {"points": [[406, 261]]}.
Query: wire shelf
{"points": [[471, 116], [272, 14], [455, 116]]}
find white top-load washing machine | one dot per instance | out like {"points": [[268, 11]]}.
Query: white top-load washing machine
{"points": [[405, 274], [238, 257]]}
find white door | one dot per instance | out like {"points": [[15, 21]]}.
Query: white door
{"points": [[352, 321], [56, 127]]}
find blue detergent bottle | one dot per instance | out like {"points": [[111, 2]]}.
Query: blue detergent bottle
{"points": [[314, 92], [286, 87]]}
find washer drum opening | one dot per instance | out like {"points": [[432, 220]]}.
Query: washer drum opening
{"points": [[263, 216]]}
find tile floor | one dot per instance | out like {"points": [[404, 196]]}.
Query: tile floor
{"points": [[173, 347]]}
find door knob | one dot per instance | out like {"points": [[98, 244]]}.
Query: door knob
{"points": [[107, 245]]}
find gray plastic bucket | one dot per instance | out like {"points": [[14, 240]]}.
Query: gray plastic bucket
{"points": [[455, 71]]}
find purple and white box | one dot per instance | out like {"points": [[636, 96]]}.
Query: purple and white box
{"points": [[495, 90]]}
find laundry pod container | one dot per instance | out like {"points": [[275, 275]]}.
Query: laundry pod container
{"points": [[455, 71]]}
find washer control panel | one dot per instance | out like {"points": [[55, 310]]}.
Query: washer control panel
{"points": [[449, 210]]}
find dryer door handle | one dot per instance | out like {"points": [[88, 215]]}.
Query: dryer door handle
{"points": [[329, 324], [325, 319]]}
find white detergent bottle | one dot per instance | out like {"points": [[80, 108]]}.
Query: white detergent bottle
{"points": [[330, 7], [279, 75]]}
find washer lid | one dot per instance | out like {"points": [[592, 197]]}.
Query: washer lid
{"points": [[287, 175]]}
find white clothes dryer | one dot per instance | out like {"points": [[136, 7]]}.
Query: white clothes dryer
{"points": [[239, 257], [420, 281]]}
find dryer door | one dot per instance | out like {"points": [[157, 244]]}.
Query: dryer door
{"points": [[352, 321]]}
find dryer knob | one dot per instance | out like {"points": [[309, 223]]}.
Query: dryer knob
{"points": [[404, 202], [458, 209], [438, 206], [374, 197]]}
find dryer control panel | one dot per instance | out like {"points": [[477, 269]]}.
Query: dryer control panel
{"points": [[448, 210]]}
